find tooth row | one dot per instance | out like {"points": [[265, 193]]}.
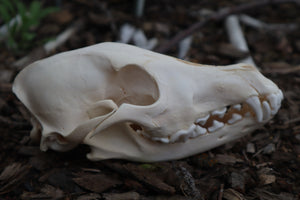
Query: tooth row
{"points": [[263, 111]]}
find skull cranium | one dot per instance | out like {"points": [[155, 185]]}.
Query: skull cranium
{"points": [[130, 103]]}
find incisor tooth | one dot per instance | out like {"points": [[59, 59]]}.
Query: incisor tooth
{"points": [[255, 104], [275, 101], [216, 126], [266, 110], [202, 120], [235, 117], [220, 112]]}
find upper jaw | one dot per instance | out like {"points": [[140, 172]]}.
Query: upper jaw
{"points": [[259, 108]]}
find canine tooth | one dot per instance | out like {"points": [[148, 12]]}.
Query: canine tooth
{"points": [[220, 112], [266, 110], [237, 107], [200, 130], [202, 120], [216, 126], [235, 117], [255, 104]]}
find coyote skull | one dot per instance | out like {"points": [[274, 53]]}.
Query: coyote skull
{"points": [[130, 103]]}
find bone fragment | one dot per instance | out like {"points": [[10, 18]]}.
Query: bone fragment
{"points": [[237, 38]]}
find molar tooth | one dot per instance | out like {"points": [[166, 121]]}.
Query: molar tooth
{"points": [[216, 126], [235, 117], [255, 104], [163, 140], [237, 107], [221, 112], [202, 120], [179, 136], [200, 130], [266, 110]]}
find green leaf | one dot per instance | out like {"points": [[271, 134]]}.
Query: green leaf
{"points": [[21, 9], [27, 36], [5, 14], [8, 5]]}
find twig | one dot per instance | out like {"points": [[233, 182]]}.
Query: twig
{"points": [[255, 23], [139, 10], [221, 192], [218, 16]]}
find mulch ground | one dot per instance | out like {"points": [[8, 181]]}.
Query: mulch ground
{"points": [[263, 165]]}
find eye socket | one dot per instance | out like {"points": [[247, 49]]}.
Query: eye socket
{"points": [[136, 127]]}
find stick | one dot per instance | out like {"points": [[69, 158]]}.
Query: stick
{"points": [[237, 38], [218, 16], [255, 23]]}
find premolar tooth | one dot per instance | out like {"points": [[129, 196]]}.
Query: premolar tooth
{"points": [[202, 120], [192, 131], [237, 107], [235, 117], [200, 130], [220, 112], [266, 110], [255, 104], [216, 126]]}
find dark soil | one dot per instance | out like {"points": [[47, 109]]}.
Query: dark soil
{"points": [[264, 165]]}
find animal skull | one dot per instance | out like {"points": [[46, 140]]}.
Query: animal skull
{"points": [[130, 103]]}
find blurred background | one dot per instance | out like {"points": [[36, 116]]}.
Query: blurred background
{"points": [[263, 165]]}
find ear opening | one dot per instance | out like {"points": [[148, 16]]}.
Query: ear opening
{"points": [[136, 86]]}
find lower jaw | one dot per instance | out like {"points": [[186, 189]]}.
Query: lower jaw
{"points": [[152, 151]]}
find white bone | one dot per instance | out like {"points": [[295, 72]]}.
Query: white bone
{"points": [[130, 103]]}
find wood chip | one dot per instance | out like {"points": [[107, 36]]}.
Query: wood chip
{"points": [[227, 159], [12, 176], [231, 194], [122, 196], [96, 182]]}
